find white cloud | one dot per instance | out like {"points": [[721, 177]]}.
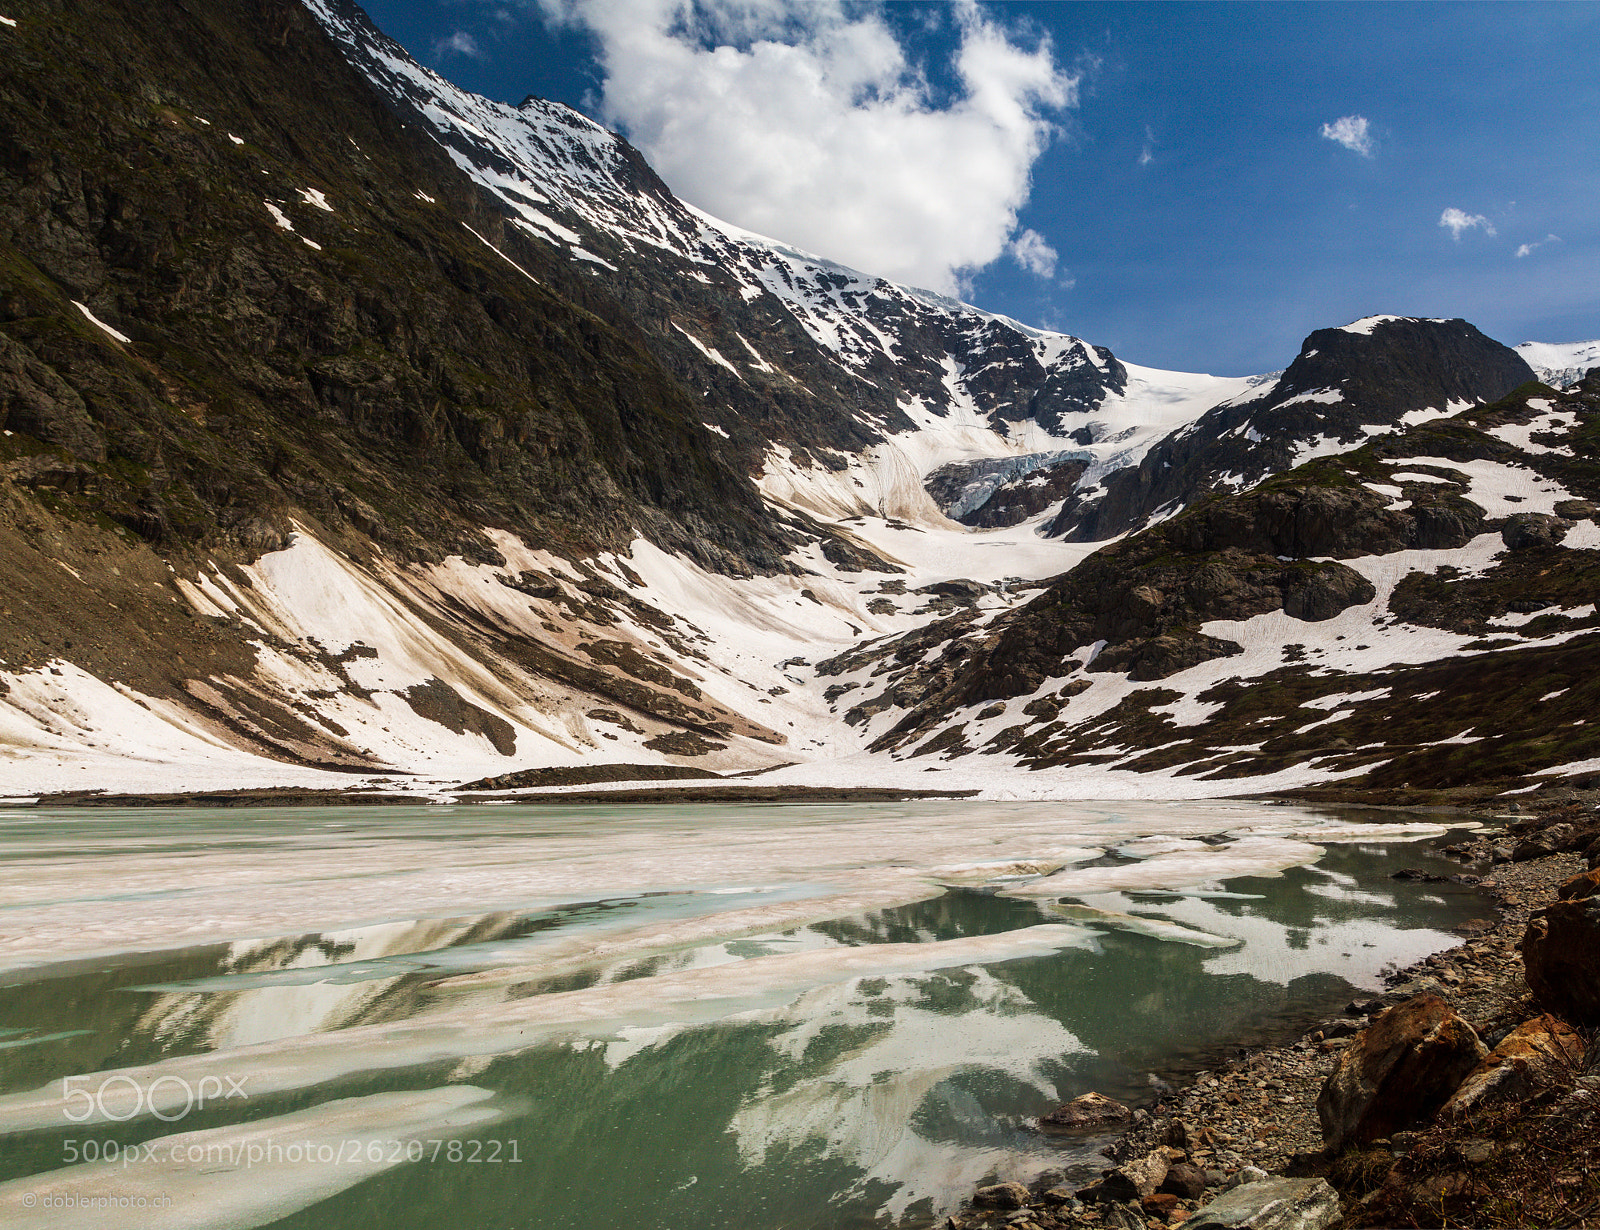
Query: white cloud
{"points": [[460, 43], [1030, 250], [1352, 132], [808, 120], [1456, 221], [1147, 154], [1528, 249]]}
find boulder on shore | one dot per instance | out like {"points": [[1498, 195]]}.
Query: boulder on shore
{"points": [[1184, 1180], [1401, 1068], [1273, 1204], [1533, 1052], [1137, 1179], [1553, 840], [1561, 951], [1001, 1196], [1086, 1110]]}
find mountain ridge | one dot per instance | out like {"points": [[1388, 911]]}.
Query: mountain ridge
{"points": [[379, 429]]}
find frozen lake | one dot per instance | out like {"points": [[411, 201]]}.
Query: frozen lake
{"points": [[674, 1016]]}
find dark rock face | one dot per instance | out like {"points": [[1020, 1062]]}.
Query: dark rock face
{"points": [[1185, 1180], [1341, 382], [851, 556], [1556, 838], [437, 701], [778, 382], [1146, 597], [1561, 952], [395, 384], [1141, 606], [1525, 530], [1401, 1069], [1301, 517], [399, 379]]}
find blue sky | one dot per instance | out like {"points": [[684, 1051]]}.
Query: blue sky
{"points": [[1196, 186]]}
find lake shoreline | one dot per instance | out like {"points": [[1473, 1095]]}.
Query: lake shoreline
{"points": [[1467, 802], [1254, 1117]]}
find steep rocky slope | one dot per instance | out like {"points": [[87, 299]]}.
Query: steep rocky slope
{"points": [[841, 389], [323, 444], [242, 307]]}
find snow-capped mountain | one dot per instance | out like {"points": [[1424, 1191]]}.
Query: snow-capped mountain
{"points": [[1346, 385], [1422, 607], [357, 425], [842, 388]]}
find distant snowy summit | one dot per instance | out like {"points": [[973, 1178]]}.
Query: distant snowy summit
{"points": [[1561, 364]]}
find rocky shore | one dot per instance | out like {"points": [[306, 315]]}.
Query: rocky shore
{"points": [[1292, 1137]]}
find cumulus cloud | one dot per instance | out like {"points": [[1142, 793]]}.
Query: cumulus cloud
{"points": [[1528, 249], [1030, 250], [810, 120], [459, 44], [1456, 220], [1352, 132]]}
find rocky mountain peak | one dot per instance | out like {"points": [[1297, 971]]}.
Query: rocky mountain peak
{"points": [[1346, 385]]}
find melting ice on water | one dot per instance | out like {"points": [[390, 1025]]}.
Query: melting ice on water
{"points": [[875, 996]]}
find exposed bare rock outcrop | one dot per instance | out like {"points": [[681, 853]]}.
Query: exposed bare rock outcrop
{"points": [[1562, 951], [1528, 1057], [1401, 1069]]}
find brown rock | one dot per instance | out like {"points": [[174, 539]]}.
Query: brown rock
{"points": [[1088, 1110], [1181, 1134], [1001, 1196], [1135, 1180], [1553, 840], [1186, 1180], [1161, 1204], [1402, 1068], [1561, 955], [1534, 1051], [1581, 886]]}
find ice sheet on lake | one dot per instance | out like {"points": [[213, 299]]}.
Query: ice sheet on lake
{"points": [[398, 866]]}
